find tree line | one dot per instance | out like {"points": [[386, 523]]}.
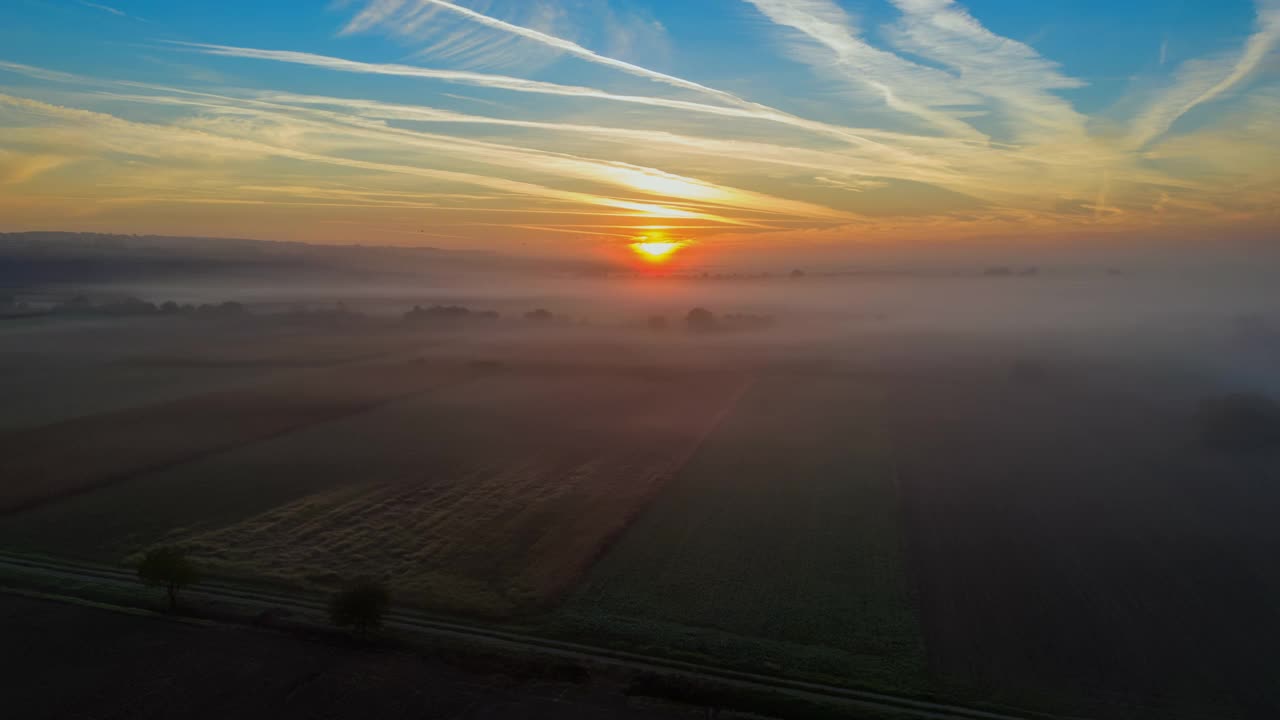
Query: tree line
{"points": [[361, 605]]}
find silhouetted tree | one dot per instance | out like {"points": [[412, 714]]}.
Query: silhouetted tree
{"points": [[539, 315], [127, 306], [360, 606], [449, 315], [168, 567], [231, 308], [700, 320]]}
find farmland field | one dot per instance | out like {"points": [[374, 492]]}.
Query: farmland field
{"points": [[776, 547], [907, 511], [470, 509], [932, 522], [1076, 545], [475, 490], [74, 455], [56, 371]]}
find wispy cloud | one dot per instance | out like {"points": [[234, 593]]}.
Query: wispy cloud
{"points": [[410, 12], [17, 168], [288, 136], [507, 158], [902, 85], [103, 8], [762, 113], [86, 129], [1013, 75], [1204, 80], [995, 76], [724, 149]]}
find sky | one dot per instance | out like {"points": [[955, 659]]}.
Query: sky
{"points": [[732, 128]]}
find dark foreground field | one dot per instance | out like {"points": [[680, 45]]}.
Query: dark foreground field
{"points": [[1074, 541], [69, 661]]}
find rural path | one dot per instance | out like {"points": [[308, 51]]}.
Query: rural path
{"points": [[422, 623]]}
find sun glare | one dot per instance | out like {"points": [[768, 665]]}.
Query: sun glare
{"points": [[655, 248]]}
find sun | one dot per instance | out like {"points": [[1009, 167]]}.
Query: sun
{"points": [[655, 248]]}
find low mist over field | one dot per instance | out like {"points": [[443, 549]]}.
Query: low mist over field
{"points": [[1049, 485]]}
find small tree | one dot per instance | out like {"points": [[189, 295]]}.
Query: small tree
{"points": [[360, 606], [168, 567], [700, 320]]}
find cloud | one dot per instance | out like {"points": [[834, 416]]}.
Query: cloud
{"points": [[38, 73], [902, 85], [17, 168], [412, 12], [1205, 80], [1240, 146], [387, 13], [860, 137], [505, 159], [977, 67], [629, 33], [103, 8], [518, 40], [1012, 74], [111, 10], [975, 133], [729, 150], [86, 130], [349, 133], [246, 125]]}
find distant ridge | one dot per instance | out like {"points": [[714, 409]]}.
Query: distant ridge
{"points": [[53, 257]]}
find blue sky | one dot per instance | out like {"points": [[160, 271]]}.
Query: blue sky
{"points": [[577, 125]]}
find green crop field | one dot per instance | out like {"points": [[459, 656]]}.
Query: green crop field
{"points": [[775, 548]]}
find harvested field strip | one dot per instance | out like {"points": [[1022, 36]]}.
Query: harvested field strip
{"points": [[44, 463], [485, 514]]}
